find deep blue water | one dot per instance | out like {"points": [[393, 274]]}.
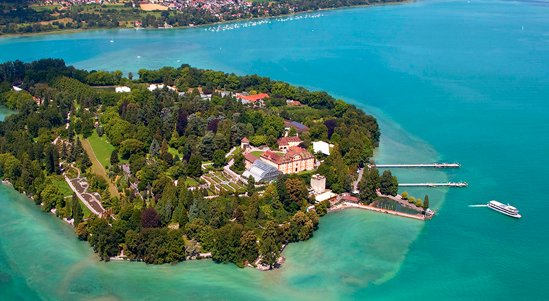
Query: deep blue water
{"points": [[448, 81]]}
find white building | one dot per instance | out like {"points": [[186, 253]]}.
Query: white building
{"points": [[323, 147], [318, 183], [123, 89]]}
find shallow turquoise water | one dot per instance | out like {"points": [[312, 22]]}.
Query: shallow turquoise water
{"points": [[448, 81]]}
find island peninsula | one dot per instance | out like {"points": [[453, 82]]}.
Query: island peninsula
{"points": [[184, 163]]}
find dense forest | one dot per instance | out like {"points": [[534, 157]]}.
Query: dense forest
{"points": [[21, 18], [159, 141]]}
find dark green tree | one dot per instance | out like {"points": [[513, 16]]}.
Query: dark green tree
{"points": [[251, 185], [426, 202], [114, 158]]}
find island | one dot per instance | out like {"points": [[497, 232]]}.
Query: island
{"points": [[40, 16], [185, 163]]}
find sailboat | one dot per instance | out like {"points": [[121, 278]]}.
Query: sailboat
{"points": [[112, 40]]}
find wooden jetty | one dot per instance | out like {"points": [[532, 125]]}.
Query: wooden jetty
{"points": [[447, 184], [433, 165]]}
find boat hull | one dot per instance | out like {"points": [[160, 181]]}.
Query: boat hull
{"points": [[503, 212]]}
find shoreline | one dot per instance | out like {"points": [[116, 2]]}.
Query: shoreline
{"points": [[78, 30]]}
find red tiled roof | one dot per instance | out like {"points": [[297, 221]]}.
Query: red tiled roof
{"points": [[286, 140], [245, 140], [250, 157], [286, 158], [254, 98]]}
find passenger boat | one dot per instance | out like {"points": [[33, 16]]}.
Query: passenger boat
{"points": [[505, 209]]}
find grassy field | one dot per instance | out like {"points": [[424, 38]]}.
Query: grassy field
{"points": [[258, 153], [191, 182], [96, 166], [174, 152], [45, 7], [227, 187], [63, 187], [101, 148]]}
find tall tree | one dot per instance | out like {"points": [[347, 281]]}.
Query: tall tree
{"points": [[77, 213], [426, 202], [248, 246], [150, 219], [154, 148], [114, 158], [251, 185], [181, 122], [268, 246], [194, 168]]}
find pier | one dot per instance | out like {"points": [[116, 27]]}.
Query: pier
{"points": [[433, 165], [447, 184]]}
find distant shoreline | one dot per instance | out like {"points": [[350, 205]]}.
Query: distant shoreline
{"points": [[77, 30]]}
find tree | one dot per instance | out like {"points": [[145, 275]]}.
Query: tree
{"points": [[154, 148], [81, 231], [238, 165], [292, 132], [114, 158], [181, 122], [386, 183], [249, 248], [130, 76], [296, 193], [219, 158], [321, 208], [405, 195], [150, 219], [77, 213], [426, 202], [268, 246], [251, 185], [194, 168]]}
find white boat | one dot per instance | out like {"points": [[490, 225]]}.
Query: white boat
{"points": [[505, 209]]}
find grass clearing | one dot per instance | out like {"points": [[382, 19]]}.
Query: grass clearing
{"points": [[96, 166], [101, 148], [44, 7], [191, 182], [174, 152], [227, 187], [63, 187]]}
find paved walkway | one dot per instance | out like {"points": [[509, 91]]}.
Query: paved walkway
{"points": [[355, 184], [80, 187]]}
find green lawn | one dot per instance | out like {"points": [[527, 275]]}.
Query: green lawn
{"points": [[45, 7], [191, 182], [63, 187], [233, 185], [223, 178], [101, 148], [174, 152], [227, 187], [258, 153], [216, 180]]}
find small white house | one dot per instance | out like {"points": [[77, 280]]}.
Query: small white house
{"points": [[323, 147], [123, 89]]}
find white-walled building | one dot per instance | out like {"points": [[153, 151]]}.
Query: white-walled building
{"points": [[323, 147]]}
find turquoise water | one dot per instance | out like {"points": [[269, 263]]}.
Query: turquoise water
{"points": [[447, 80]]}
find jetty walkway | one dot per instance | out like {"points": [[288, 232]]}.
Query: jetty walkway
{"points": [[447, 184], [346, 205], [433, 165]]}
